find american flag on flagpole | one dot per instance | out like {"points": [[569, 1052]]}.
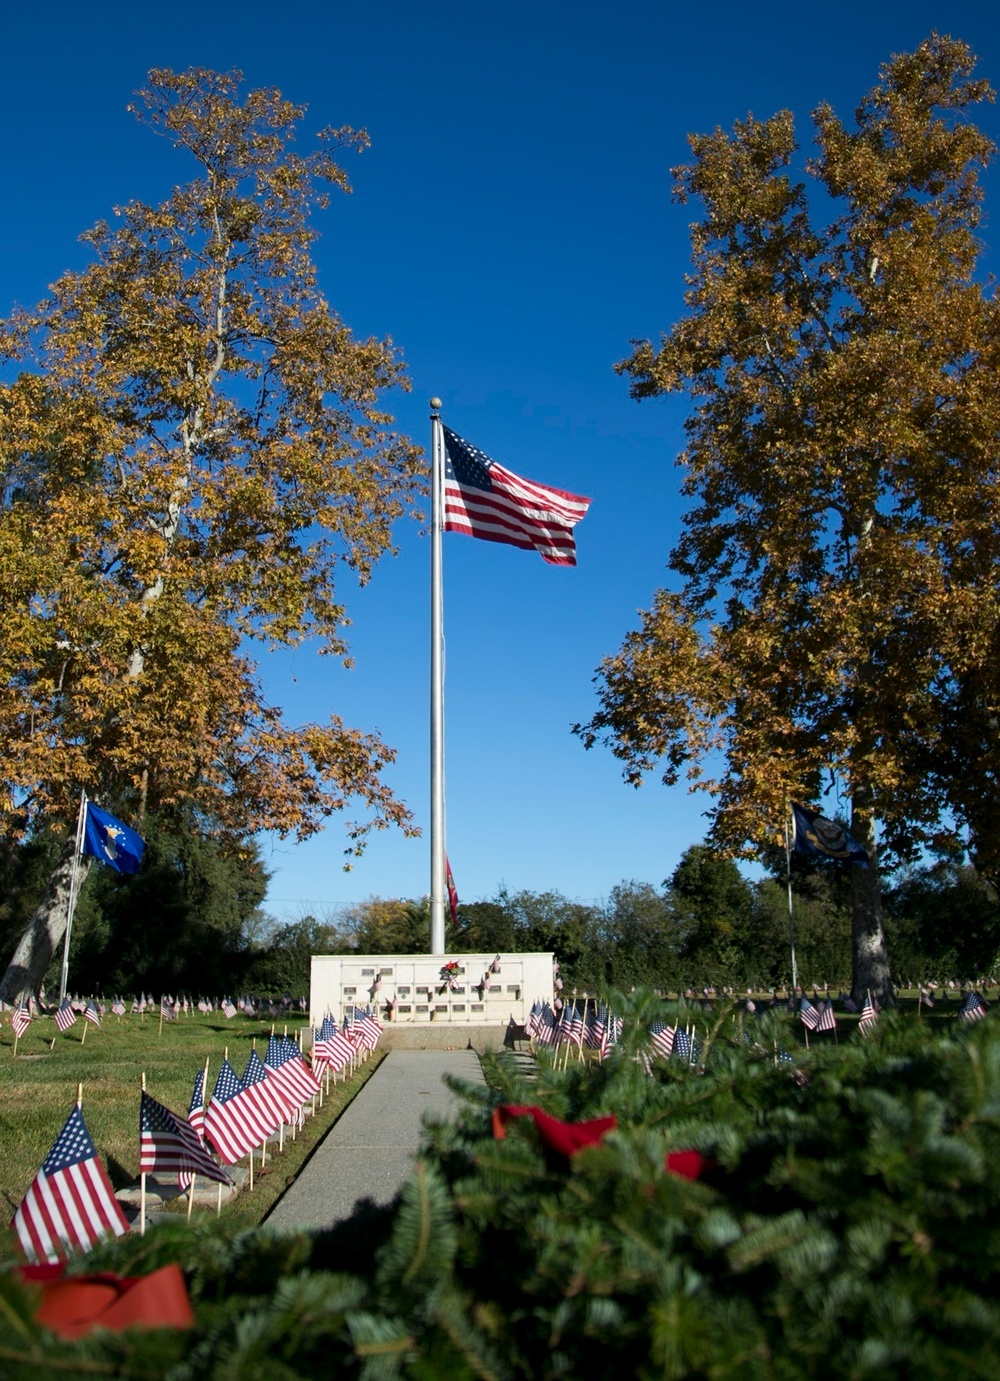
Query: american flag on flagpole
{"points": [[20, 1021], [228, 1008], [91, 1014], [484, 499], [70, 1205]]}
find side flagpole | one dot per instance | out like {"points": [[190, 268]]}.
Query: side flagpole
{"points": [[71, 904], [437, 683], [791, 922]]}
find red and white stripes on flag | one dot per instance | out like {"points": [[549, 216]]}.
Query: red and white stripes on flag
{"points": [[826, 1020], [808, 1014], [331, 1048], [274, 1104], [20, 1021], [169, 1144], [70, 1205], [65, 1016], [869, 1016], [661, 1038], [483, 499], [233, 1122], [293, 1076]]}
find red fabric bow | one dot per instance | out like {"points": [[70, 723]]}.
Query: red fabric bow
{"points": [[569, 1137], [74, 1305], [688, 1164], [565, 1137]]}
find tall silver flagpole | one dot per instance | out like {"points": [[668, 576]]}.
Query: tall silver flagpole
{"points": [[791, 921], [71, 904], [437, 683]]}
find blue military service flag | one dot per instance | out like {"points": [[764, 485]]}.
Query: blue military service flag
{"points": [[111, 841], [815, 835]]}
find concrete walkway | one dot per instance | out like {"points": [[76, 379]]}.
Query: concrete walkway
{"points": [[368, 1153]]}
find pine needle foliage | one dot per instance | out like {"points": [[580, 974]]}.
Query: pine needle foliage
{"points": [[847, 1226]]}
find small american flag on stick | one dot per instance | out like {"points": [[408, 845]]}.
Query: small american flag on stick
{"points": [[70, 1205], [65, 1016]]}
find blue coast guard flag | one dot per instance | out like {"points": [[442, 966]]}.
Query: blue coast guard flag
{"points": [[111, 841], [818, 837]]}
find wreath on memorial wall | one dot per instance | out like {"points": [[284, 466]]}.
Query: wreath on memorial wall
{"points": [[449, 974]]}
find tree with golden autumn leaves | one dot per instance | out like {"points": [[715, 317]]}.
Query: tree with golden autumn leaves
{"points": [[835, 616], [195, 451]]}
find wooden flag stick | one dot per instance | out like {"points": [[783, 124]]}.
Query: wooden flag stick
{"points": [[191, 1197], [251, 1169], [160, 1031], [86, 1023]]}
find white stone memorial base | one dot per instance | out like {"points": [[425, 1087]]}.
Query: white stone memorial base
{"points": [[413, 993]]}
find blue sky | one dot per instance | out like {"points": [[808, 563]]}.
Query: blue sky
{"points": [[511, 229]]}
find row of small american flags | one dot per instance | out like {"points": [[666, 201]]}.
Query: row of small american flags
{"points": [[597, 1029], [93, 1009], [70, 1205]]}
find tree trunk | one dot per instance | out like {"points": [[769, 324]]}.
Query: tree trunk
{"points": [[869, 958], [46, 929]]}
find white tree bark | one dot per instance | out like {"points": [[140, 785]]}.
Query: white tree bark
{"points": [[40, 941]]}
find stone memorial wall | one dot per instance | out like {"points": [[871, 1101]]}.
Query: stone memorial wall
{"points": [[481, 989]]}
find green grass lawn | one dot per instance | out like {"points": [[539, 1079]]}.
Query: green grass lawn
{"points": [[39, 1086]]}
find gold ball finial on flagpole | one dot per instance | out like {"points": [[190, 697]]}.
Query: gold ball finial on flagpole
{"points": [[435, 403]]}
